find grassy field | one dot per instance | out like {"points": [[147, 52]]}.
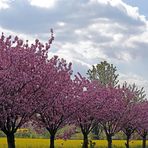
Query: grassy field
{"points": [[44, 143]]}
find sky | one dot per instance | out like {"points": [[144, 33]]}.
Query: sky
{"points": [[86, 32]]}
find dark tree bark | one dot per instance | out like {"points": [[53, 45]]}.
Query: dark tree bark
{"points": [[128, 132], [109, 140], [85, 140], [144, 141], [52, 138], [10, 140], [128, 136]]}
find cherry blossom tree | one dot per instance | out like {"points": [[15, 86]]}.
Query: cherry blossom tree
{"points": [[56, 101], [131, 119], [88, 102], [143, 122], [106, 74], [20, 76], [110, 116], [130, 122]]}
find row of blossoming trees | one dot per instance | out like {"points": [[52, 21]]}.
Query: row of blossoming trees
{"points": [[36, 88]]}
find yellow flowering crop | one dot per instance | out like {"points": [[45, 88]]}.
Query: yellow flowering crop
{"points": [[44, 143]]}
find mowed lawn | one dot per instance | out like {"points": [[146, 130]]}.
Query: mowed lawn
{"points": [[44, 143]]}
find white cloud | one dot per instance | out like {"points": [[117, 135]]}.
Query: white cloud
{"points": [[132, 78], [43, 3], [86, 31], [61, 24], [4, 4], [132, 11], [127, 9], [124, 56]]}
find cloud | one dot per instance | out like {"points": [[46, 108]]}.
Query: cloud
{"points": [[132, 78], [86, 31], [43, 3], [4, 4]]}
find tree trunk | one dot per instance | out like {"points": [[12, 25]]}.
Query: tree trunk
{"points": [[144, 141], [85, 141], [127, 141], [109, 140], [52, 137], [10, 140]]}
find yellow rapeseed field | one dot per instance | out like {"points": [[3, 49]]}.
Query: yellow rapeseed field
{"points": [[44, 143]]}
